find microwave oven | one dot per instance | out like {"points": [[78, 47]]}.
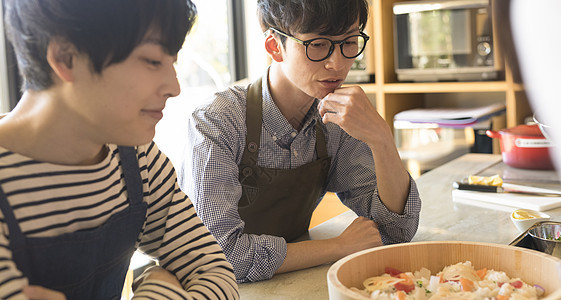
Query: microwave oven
{"points": [[443, 40]]}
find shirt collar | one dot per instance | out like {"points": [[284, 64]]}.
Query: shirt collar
{"points": [[275, 122]]}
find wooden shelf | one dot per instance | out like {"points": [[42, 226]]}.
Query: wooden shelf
{"points": [[369, 88], [445, 87], [440, 87], [393, 96]]}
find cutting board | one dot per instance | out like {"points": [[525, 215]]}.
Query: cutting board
{"points": [[507, 202]]}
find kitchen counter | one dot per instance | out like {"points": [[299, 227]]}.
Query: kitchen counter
{"points": [[441, 219]]}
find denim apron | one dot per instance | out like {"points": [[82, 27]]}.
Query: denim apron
{"points": [[88, 264], [278, 202]]}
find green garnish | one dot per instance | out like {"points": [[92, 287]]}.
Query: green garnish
{"points": [[550, 237]]}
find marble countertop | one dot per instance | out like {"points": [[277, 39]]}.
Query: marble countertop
{"points": [[441, 220], [304, 284]]}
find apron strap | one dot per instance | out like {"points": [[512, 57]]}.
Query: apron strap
{"points": [[253, 122], [15, 231], [133, 181], [321, 144]]}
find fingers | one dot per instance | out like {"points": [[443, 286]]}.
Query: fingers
{"points": [[362, 228], [350, 109], [349, 90], [343, 101], [365, 223], [368, 230], [326, 106], [336, 101], [35, 292], [332, 108]]}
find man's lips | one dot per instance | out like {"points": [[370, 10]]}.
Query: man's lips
{"points": [[154, 113], [331, 83]]}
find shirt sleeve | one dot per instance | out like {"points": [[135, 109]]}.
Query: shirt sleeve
{"points": [[176, 237], [353, 179], [209, 176]]}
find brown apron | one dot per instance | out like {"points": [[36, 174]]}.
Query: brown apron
{"points": [[278, 202]]}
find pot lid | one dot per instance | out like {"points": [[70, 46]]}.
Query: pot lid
{"points": [[524, 130]]}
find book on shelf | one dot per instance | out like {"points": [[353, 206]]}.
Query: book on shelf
{"points": [[450, 117]]}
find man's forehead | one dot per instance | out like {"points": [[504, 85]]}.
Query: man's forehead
{"points": [[351, 30], [327, 29]]}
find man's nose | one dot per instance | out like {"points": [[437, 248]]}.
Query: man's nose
{"points": [[336, 60], [171, 84]]}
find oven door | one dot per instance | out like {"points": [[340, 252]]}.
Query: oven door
{"points": [[443, 40]]}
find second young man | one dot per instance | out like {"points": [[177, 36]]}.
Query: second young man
{"points": [[261, 158]]}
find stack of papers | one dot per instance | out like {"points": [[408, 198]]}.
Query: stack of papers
{"points": [[450, 117]]}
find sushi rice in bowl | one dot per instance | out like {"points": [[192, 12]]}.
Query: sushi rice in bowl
{"points": [[526, 272]]}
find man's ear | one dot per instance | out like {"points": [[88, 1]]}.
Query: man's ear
{"points": [[273, 47], [61, 56]]}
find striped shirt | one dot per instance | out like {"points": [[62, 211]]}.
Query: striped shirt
{"points": [[209, 175], [50, 200]]}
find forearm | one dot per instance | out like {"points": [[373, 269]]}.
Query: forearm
{"points": [[393, 180], [184, 247], [358, 184], [312, 253], [192, 254], [156, 283], [361, 234]]}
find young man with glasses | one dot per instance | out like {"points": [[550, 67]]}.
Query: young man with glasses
{"points": [[260, 158]]}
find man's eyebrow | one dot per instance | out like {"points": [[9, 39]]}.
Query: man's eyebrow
{"points": [[352, 30]]}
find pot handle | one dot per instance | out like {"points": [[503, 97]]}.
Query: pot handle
{"points": [[492, 134]]}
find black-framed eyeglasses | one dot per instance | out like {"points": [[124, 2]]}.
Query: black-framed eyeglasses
{"points": [[319, 49]]}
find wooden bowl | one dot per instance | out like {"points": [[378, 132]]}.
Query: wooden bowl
{"points": [[531, 266]]}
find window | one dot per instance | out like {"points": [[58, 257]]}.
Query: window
{"points": [[9, 78], [4, 86], [213, 57], [204, 60]]}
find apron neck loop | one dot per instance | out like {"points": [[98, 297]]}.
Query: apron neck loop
{"points": [[13, 226], [321, 144], [131, 172], [254, 116]]}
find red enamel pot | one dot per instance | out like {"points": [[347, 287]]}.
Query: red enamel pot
{"points": [[524, 147]]}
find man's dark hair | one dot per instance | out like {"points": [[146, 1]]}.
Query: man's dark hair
{"points": [[105, 30], [325, 17]]}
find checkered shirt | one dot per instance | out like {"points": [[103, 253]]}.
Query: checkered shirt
{"points": [[209, 175]]}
